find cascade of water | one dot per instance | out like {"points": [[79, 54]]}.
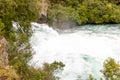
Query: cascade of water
{"points": [[82, 51]]}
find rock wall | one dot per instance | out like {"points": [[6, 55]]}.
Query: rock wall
{"points": [[3, 52], [44, 7], [43, 14]]}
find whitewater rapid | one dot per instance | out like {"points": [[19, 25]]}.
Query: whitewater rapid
{"points": [[82, 49]]}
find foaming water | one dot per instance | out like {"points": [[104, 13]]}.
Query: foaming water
{"points": [[82, 50]]}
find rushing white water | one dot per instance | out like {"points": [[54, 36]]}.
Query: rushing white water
{"points": [[82, 50]]}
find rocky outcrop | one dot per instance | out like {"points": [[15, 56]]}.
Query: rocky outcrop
{"points": [[43, 14], [3, 52], [42, 19], [44, 7]]}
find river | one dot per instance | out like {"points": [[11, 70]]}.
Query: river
{"points": [[82, 49]]}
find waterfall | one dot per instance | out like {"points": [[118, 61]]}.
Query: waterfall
{"points": [[82, 49]]}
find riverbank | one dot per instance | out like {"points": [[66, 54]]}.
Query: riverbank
{"points": [[83, 12]]}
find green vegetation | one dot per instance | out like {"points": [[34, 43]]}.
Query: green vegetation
{"points": [[110, 71], [31, 73], [84, 11], [44, 73], [22, 12]]}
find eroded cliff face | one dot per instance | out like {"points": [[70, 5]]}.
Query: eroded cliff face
{"points": [[44, 7], [3, 52], [43, 14]]}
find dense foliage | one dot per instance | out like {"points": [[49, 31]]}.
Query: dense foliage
{"points": [[111, 69], [84, 11], [44, 73], [22, 12]]}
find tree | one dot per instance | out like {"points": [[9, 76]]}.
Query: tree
{"points": [[111, 69], [91, 77]]}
